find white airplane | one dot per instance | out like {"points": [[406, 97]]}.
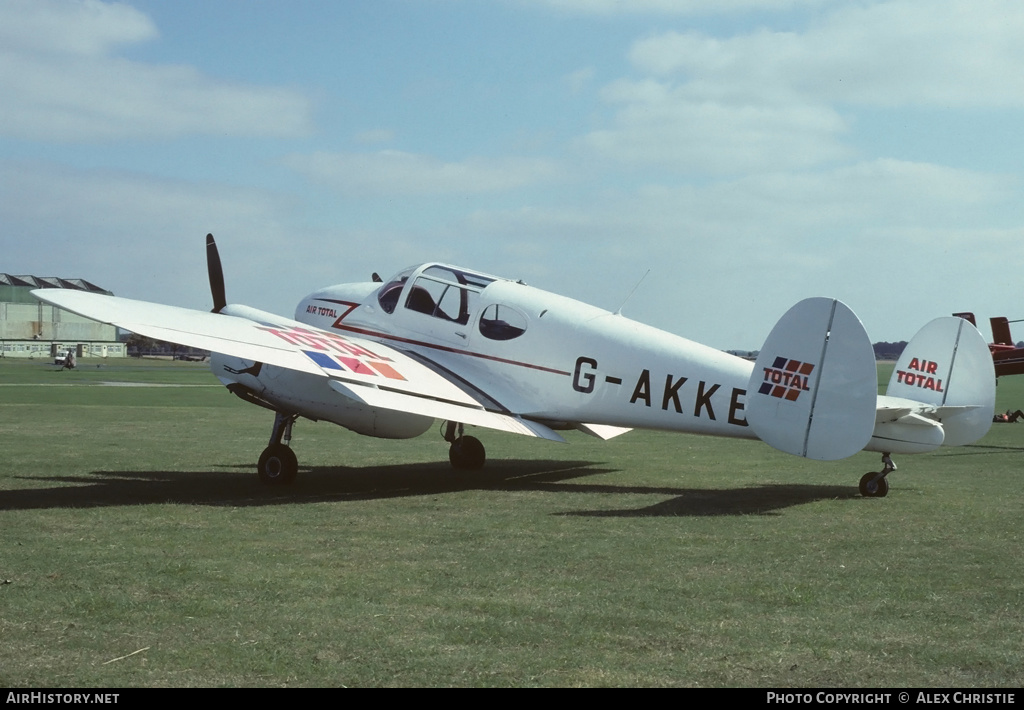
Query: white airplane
{"points": [[440, 342]]}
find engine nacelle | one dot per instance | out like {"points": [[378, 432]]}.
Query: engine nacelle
{"points": [[310, 396]]}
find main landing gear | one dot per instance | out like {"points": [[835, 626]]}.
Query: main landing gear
{"points": [[278, 465], [465, 452], [873, 484]]}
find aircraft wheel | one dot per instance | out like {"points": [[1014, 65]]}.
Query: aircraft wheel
{"points": [[278, 465], [467, 452], [870, 488]]}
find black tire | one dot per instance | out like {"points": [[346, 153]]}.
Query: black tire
{"points": [[870, 488], [467, 453], [277, 466]]}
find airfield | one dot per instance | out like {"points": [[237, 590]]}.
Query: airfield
{"points": [[139, 550]]}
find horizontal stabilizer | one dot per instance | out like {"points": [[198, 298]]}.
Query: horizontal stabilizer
{"points": [[904, 426], [602, 431], [814, 385], [425, 406]]}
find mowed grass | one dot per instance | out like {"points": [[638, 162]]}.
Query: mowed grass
{"points": [[138, 549]]}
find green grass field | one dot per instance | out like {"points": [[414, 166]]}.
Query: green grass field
{"points": [[138, 549]]}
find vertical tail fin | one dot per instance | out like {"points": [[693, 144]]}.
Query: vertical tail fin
{"points": [[814, 386], [1001, 331], [948, 365]]}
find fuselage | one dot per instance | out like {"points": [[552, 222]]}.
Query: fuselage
{"points": [[541, 355]]}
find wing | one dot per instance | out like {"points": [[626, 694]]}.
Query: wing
{"points": [[236, 336], [363, 370]]}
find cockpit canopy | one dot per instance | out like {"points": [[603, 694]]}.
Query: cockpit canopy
{"points": [[451, 294], [437, 290]]}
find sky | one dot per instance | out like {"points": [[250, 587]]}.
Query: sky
{"points": [[747, 153]]}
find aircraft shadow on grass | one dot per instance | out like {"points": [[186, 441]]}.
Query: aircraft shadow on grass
{"points": [[984, 450], [323, 484], [764, 499]]}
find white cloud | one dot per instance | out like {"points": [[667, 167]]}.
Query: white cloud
{"points": [[934, 52], [84, 28], [773, 100], [664, 125], [393, 172], [138, 235], [61, 81]]}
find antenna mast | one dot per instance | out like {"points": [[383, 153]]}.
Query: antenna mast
{"points": [[618, 311]]}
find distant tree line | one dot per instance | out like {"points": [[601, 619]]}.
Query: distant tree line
{"points": [[889, 351]]}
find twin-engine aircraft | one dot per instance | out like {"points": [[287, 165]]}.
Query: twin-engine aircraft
{"points": [[440, 342]]}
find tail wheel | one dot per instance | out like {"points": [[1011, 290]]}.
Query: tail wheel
{"points": [[467, 453], [278, 465], [873, 485]]}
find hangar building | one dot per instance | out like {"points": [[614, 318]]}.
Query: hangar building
{"points": [[31, 328]]}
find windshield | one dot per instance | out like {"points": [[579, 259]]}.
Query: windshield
{"points": [[390, 292]]}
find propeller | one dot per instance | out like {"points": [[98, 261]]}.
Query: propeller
{"points": [[216, 275]]}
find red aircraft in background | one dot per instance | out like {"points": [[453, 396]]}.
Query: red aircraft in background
{"points": [[1006, 356]]}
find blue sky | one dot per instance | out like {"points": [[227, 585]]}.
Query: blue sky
{"points": [[750, 153]]}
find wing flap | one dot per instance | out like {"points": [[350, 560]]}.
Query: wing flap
{"points": [[403, 402]]}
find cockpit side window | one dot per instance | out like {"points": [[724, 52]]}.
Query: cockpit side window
{"points": [[500, 322], [446, 293], [425, 296]]}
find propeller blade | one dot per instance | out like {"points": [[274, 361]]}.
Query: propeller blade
{"points": [[216, 275]]}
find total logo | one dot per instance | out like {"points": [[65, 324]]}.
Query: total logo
{"points": [[921, 375], [786, 379], [333, 352]]}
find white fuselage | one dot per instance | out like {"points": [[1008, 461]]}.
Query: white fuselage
{"points": [[544, 356]]}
